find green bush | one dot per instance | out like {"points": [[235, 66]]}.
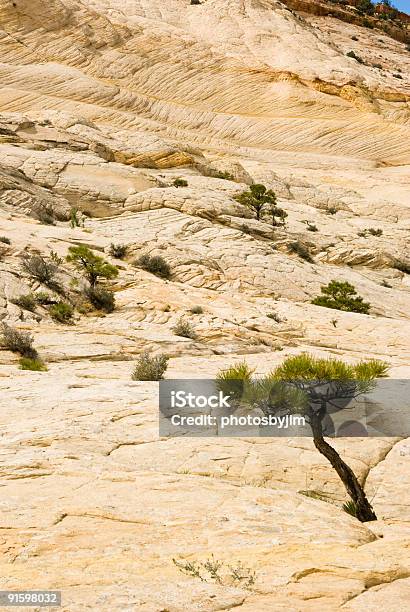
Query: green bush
{"points": [[101, 299], [150, 368], [44, 299], [18, 342], [75, 219], [155, 265], [62, 312], [341, 295], [27, 302], [118, 251], [232, 380], [179, 182], [35, 365], [227, 176], [184, 329]]}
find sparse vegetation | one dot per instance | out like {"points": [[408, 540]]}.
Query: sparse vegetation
{"points": [[26, 302], [5, 240], [92, 266], [179, 182], [41, 269], [232, 380], [331, 210], [227, 176], [154, 264], [100, 298], [18, 341], [196, 310], [45, 215], [75, 219], [150, 368], [184, 328], [118, 251], [217, 572], [33, 364], [301, 250], [257, 199], [62, 312], [371, 231], [43, 298], [341, 295]]}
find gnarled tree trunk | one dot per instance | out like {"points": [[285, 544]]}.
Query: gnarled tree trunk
{"points": [[364, 510]]}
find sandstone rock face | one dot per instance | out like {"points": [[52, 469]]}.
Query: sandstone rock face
{"points": [[103, 105]]}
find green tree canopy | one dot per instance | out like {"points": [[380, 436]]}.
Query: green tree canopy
{"points": [[258, 198], [92, 266], [341, 295]]}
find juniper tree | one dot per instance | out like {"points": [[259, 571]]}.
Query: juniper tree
{"points": [[258, 198], [341, 295], [92, 266], [310, 387]]}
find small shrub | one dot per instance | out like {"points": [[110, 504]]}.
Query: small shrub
{"points": [[350, 508], [118, 251], [43, 298], [217, 572], [184, 329], [101, 299], [403, 266], [353, 55], [232, 380], [45, 215], [26, 302], [384, 283], [39, 268], [18, 342], [311, 227], [196, 310], [331, 210], [150, 368], [227, 176], [341, 295], [5, 240], [35, 365], [62, 312], [397, 76], [371, 231], [301, 250], [75, 219], [155, 265], [179, 182]]}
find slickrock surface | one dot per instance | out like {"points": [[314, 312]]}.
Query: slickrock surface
{"points": [[103, 104]]}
